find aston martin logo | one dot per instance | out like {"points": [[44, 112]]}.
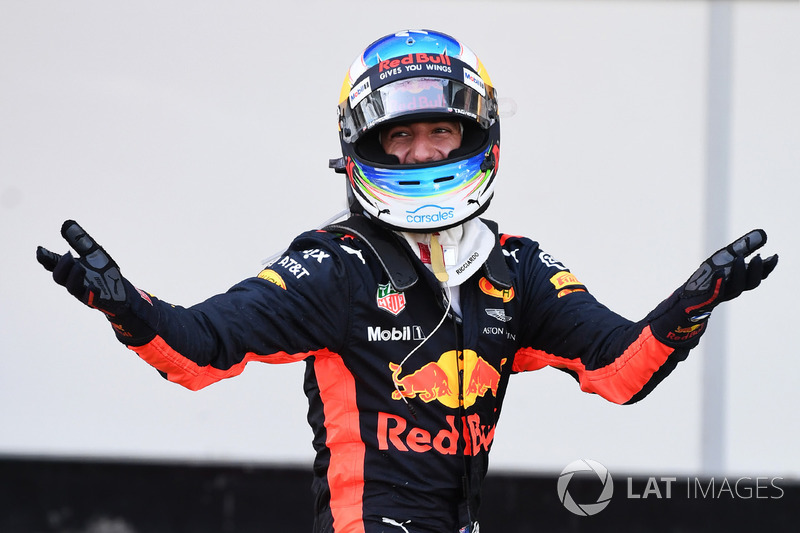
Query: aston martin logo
{"points": [[499, 314]]}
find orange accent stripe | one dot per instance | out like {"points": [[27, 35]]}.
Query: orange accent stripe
{"points": [[337, 389], [184, 371], [504, 237], [617, 382]]}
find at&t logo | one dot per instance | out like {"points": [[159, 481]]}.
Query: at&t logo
{"points": [[581, 467]]}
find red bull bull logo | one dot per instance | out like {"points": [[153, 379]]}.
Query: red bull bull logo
{"points": [[438, 380], [483, 378], [682, 334]]}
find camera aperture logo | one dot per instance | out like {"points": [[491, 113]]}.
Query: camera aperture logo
{"points": [[585, 488], [582, 467]]}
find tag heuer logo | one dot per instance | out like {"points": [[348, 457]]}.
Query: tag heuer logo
{"points": [[391, 300]]}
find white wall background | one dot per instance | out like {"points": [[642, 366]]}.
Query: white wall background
{"points": [[191, 139]]}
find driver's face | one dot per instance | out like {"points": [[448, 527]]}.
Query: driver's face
{"points": [[421, 142]]}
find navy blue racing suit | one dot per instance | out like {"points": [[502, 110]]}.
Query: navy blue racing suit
{"points": [[402, 441]]}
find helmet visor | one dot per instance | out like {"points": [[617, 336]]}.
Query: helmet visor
{"points": [[409, 97]]}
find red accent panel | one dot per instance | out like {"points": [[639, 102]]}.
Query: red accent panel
{"points": [[504, 237], [337, 389], [713, 297], [617, 382], [184, 371]]}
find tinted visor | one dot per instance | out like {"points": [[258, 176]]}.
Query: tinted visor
{"points": [[416, 96]]}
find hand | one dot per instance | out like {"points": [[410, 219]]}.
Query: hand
{"points": [[725, 275], [722, 277], [94, 278]]}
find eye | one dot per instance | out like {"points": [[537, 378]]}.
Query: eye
{"points": [[445, 130], [398, 134]]}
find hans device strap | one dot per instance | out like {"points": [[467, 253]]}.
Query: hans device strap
{"points": [[495, 266], [396, 260]]}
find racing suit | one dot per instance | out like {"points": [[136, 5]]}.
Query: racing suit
{"points": [[402, 432]]}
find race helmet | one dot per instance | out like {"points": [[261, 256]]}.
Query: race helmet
{"points": [[409, 76]]}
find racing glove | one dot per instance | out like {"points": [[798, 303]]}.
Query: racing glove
{"points": [[681, 319], [94, 278]]}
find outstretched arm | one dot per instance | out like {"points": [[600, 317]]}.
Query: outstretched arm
{"points": [[266, 318], [622, 360], [682, 318], [94, 278]]}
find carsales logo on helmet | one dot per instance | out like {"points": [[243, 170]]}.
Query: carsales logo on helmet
{"points": [[434, 213]]}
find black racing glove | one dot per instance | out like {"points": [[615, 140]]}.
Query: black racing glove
{"points": [[682, 318], [94, 279]]}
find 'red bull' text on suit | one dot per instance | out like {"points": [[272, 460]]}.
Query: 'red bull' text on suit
{"points": [[402, 438]]}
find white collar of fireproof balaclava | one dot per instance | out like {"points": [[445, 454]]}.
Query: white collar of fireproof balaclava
{"points": [[465, 248]]}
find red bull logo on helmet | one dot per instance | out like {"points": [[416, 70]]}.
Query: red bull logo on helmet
{"points": [[411, 59], [438, 380]]}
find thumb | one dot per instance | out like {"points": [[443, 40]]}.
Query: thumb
{"points": [[46, 258], [769, 265]]}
